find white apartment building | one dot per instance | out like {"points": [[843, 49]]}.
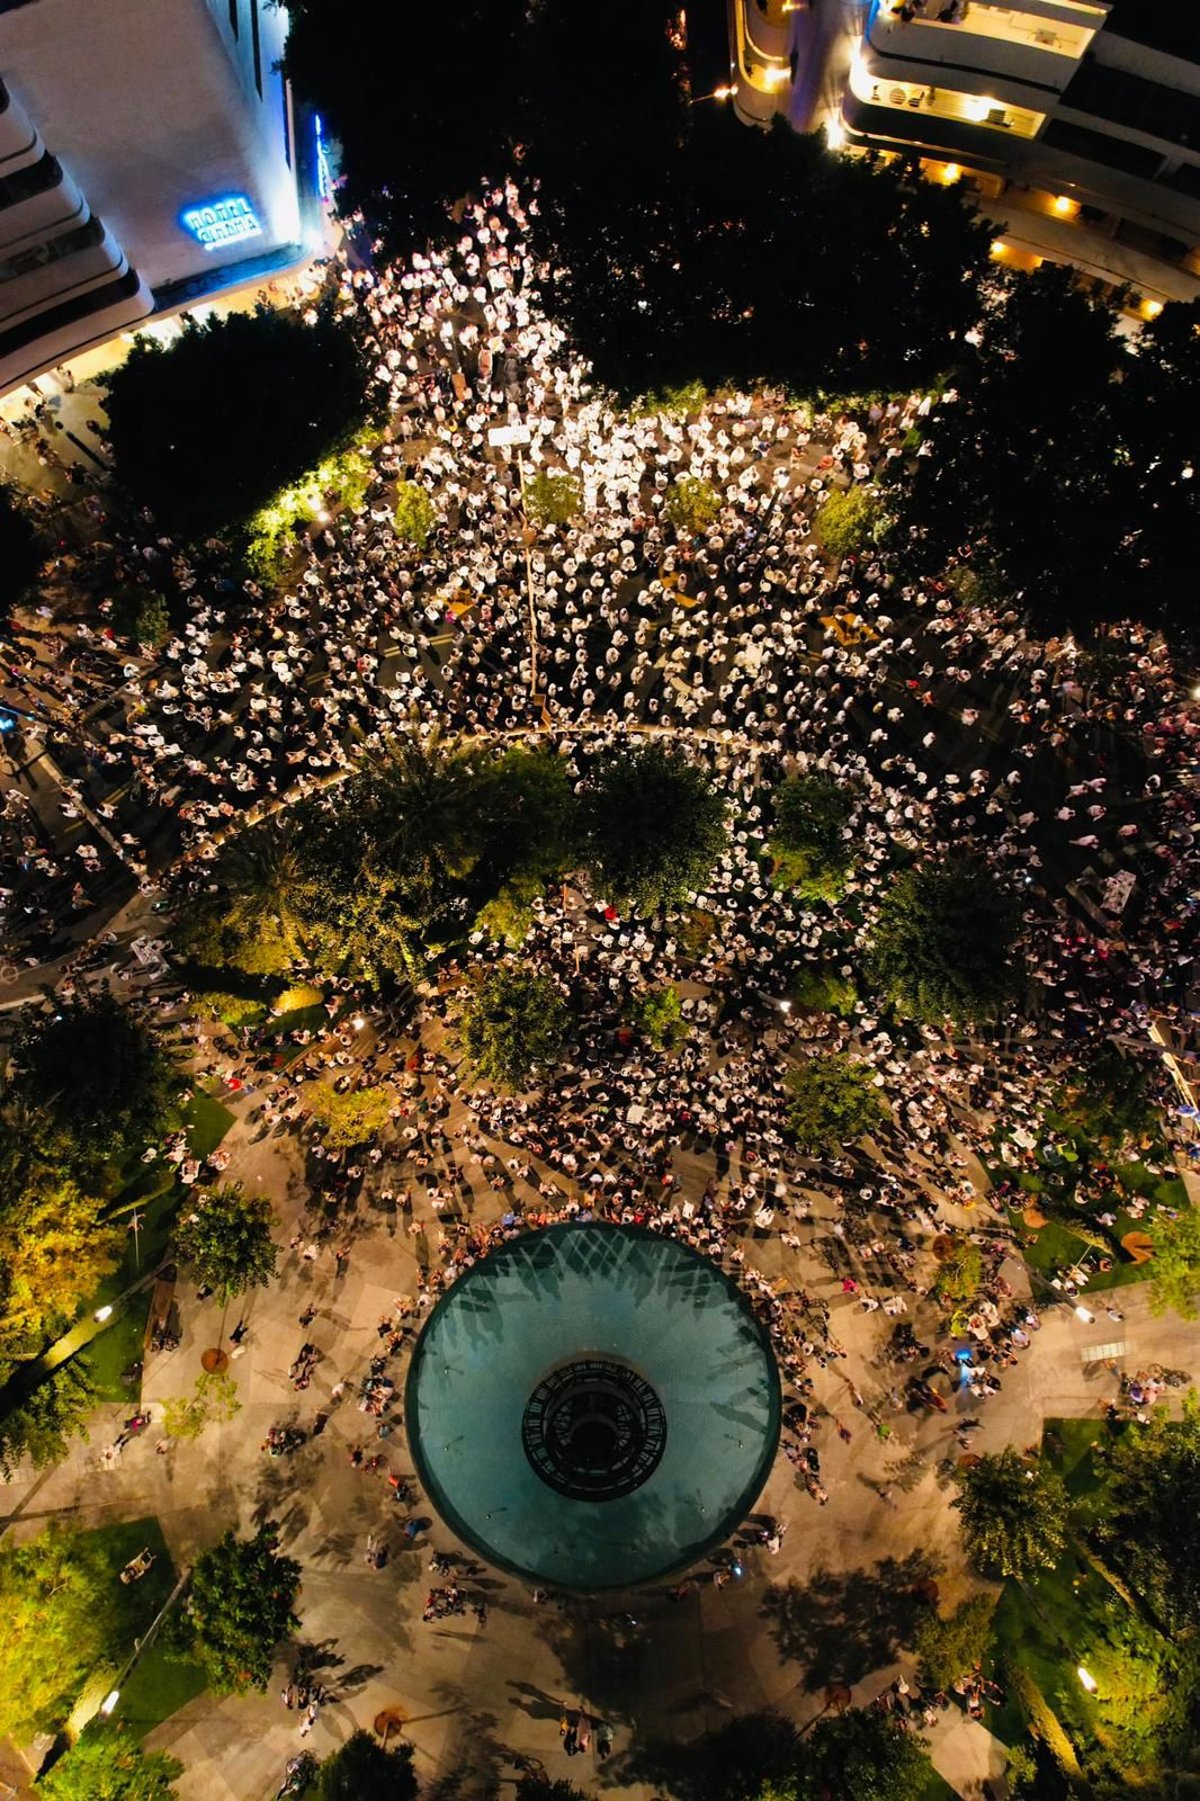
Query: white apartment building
{"points": [[1089, 108], [149, 156]]}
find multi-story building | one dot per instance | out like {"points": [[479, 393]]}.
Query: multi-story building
{"points": [[1089, 109], [149, 155]]}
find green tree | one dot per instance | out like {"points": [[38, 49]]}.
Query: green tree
{"points": [[247, 918], [660, 1016], [653, 826], [55, 1246], [20, 555], [523, 822], [415, 515], [224, 1238], [552, 497], [831, 1100], [864, 1753], [1105, 1102], [383, 857], [62, 1622], [960, 1275], [363, 1770], [105, 1764], [950, 1646], [141, 615], [943, 942], [1175, 1266], [1013, 1514], [851, 521], [37, 1423], [1149, 1526], [101, 1077], [351, 1118], [692, 504], [511, 1025], [809, 841], [215, 1397], [240, 1607], [206, 430]]}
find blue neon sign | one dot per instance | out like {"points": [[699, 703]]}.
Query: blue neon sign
{"points": [[220, 222], [324, 172]]}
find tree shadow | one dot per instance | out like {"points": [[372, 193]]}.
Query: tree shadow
{"points": [[845, 1624], [473, 1762]]}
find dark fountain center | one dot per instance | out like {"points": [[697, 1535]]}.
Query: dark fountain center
{"points": [[593, 1429]]}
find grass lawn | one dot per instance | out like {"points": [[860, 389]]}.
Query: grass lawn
{"points": [[1054, 1249], [116, 1350], [159, 1684], [1067, 1448], [936, 1788], [206, 1122]]}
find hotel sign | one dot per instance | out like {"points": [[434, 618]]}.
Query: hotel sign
{"points": [[220, 222]]}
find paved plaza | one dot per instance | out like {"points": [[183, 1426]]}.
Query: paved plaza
{"points": [[836, 1605]]}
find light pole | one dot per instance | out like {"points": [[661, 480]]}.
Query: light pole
{"points": [[722, 93], [516, 437]]}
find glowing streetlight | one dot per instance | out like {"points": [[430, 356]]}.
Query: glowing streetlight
{"points": [[722, 93], [110, 1701], [1087, 1679], [102, 1313]]}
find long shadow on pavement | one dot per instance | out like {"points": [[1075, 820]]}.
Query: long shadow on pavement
{"points": [[844, 1624]]}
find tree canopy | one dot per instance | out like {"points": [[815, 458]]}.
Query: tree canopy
{"points": [[1013, 1514], [950, 1646], [1066, 458], [363, 1770], [54, 1246], [39, 1424], [224, 1238], [653, 826], [206, 430], [384, 870], [511, 1025], [1150, 1524], [106, 1764], [99, 1076], [864, 1753], [831, 1100], [942, 944], [240, 1607], [808, 840], [62, 1620], [1175, 1266]]}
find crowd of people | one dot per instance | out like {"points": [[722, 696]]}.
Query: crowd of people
{"points": [[740, 640]]}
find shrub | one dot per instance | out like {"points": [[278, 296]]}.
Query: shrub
{"points": [[692, 504], [552, 499], [415, 515], [851, 521]]}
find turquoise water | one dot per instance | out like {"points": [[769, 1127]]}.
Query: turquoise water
{"points": [[571, 1292]]}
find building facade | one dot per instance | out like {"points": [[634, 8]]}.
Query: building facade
{"points": [[148, 157], [1090, 108]]}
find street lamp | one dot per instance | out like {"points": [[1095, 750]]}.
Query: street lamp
{"points": [[1087, 1679], [722, 93], [110, 1701], [101, 1314]]}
